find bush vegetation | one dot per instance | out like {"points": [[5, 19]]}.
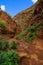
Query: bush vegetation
{"points": [[9, 58], [22, 34], [31, 36], [34, 30], [2, 23], [13, 45], [3, 44]]}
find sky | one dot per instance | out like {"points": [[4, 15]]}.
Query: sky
{"points": [[13, 7]]}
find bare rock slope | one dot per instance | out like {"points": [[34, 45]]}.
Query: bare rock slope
{"points": [[32, 53]]}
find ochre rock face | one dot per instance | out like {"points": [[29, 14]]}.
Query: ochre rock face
{"points": [[39, 7], [32, 53], [39, 15], [10, 25]]}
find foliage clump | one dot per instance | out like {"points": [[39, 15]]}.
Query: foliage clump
{"points": [[13, 45], [3, 44], [34, 30], [9, 58], [2, 23]]}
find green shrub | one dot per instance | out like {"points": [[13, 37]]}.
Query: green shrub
{"points": [[25, 32], [0, 32], [22, 34], [35, 29], [2, 23], [13, 45], [31, 36], [3, 44], [2, 57], [9, 58], [32, 29]]}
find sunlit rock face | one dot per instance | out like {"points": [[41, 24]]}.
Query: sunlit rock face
{"points": [[38, 12], [32, 54], [10, 28]]}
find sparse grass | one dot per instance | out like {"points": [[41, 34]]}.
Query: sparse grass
{"points": [[13, 45], [2, 23], [3, 44], [31, 36], [22, 34], [34, 29], [0, 32]]}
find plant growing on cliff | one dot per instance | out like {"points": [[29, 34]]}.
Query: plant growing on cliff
{"points": [[9, 58], [34, 30], [2, 23], [13, 45], [3, 44]]}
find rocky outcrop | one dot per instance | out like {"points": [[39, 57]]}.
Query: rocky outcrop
{"points": [[11, 28], [10, 25], [32, 53]]}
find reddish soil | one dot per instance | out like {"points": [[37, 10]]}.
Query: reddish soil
{"points": [[32, 54], [11, 28]]}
